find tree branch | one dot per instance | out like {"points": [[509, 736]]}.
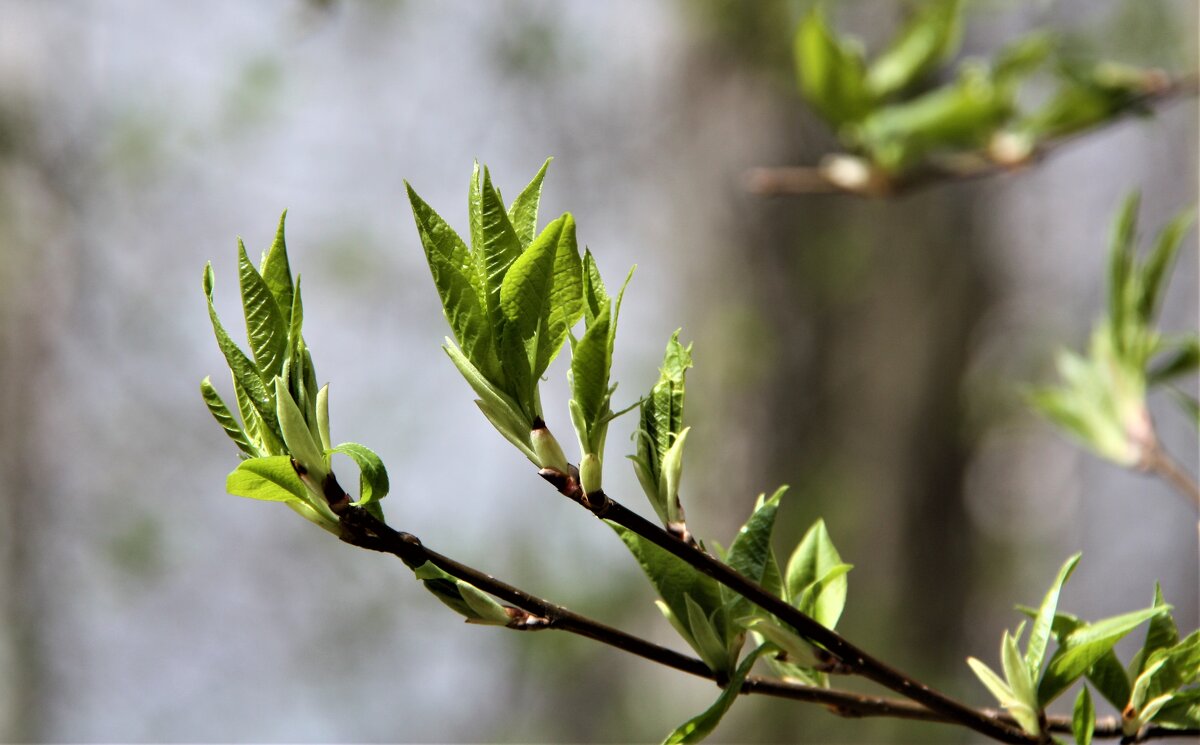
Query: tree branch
{"points": [[1156, 460], [850, 657], [531, 613], [850, 174]]}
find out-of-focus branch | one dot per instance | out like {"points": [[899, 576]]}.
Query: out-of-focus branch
{"points": [[1158, 461], [843, 173]]}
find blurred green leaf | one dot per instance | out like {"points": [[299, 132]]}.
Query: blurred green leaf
{"points": [[1183, 361], [830, 70], [931, 35], [1157, 265], [1083, 718]]}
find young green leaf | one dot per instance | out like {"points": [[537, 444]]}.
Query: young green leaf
{"points": [[245, 373], [814, 558], [590, 365], [523, 211], [708, 642], [751, 554], [525, 290], [1039, 634], [1184, 360], [221, 413], [931, 36], [1019, 675], [1122, 290], [1158, 265], [487, 610], [504, 413], [277, 273], [1083, 718], [1025, 716], [1080, 650], [798, 651], [272, 479], [498, 248], [566, 298], [830, 71], [297, 436], [595, 298], [455, 275], [699, 727], [265, 327], [372, 476]]}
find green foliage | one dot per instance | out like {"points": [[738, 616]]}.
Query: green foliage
{"points": [[511, 300], [661, 435], [891, 111], [701, 726], [284, 427], [461, 597], [1086, 649], [1102, 399], [1083, 718]]}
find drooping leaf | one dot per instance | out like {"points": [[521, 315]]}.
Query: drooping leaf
{"points": [[673, 578], [372, 476], [265, 327], [812, 560], [277, 273], [1039, 634], [931, 36], [523, 211], [221, 413], [1083, 718], [696, 729]]}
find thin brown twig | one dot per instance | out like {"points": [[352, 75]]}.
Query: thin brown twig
{"points": [[850, 657], [849, 174], [1156, 460], [361, 528]]}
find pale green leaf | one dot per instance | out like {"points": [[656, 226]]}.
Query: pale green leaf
{"points": [[523, 211], [297, 436], [931, 36], [277, 273], [265, 327], [707, 642], [696, 729], [590, 365], [799, 651], [1039, 633], [498, 249], [221, 413], [751, 555], [372, 476], [566, 298], [486, 609], [1080, 650], [595, 298], [1158, 265], [830, 71], [245, 373], [1083, 718], [272, 479], [812, 560]]}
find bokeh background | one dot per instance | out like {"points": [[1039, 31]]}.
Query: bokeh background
{"points": [[869, 354]]}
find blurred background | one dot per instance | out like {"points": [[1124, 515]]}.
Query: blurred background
{"points": [[870, 354]]}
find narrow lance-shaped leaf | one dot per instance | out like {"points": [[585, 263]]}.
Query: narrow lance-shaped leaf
{"points": [[1080, 650], [565, 306], [932, 35], [244, 371], [299, 440], [1039, 633], [265, 327], [1083, 718], [1158, 265], [595, 298], [590, 364], [455, 275], [1121, 295], [277, 273], [696, 729], [227, 421], [523, 211], [499, 247]]}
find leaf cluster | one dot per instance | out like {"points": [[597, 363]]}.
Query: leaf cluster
{"points": [[1102, 398], [904, 108], [1160, 685]]}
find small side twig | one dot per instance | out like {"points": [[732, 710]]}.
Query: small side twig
{"points": [[1156, 460], [848, 174]]}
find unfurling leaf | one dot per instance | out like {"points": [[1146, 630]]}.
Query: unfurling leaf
{"points": [[372, 476], [813, 560]]}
